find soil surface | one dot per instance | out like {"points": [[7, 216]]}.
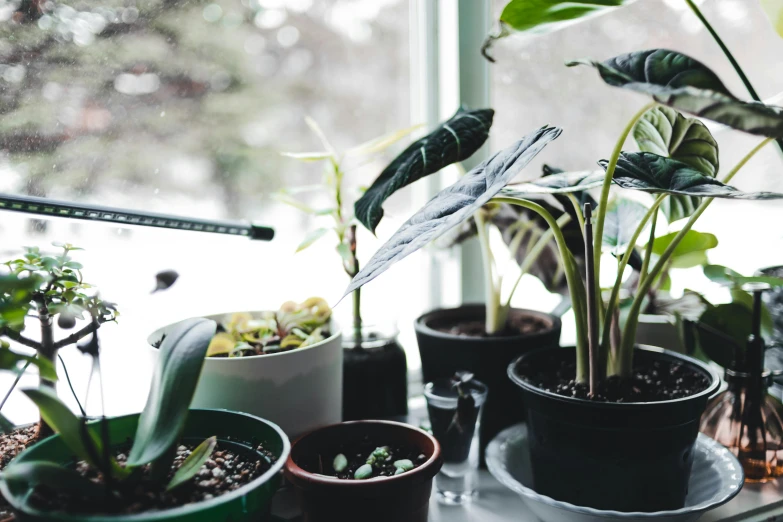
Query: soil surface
{"points": [[225, 471], [11, 445], [357, 455], [652, 381], [517, 324]]}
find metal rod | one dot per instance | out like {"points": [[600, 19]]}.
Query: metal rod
{"points": [[66, 209], [592, 309]]}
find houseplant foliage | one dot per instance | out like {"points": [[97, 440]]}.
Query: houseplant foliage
{"points": [[375, 367], [155, 473], [50, 288], [611, 354]]}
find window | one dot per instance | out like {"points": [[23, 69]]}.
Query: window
{"points": [[183, 107], [531, 87]]}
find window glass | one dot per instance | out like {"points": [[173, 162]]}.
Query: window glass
{"points": [[183, 107], [531, 87]]}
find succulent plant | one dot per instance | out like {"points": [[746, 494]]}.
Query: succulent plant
{"points": [[292, 326]]}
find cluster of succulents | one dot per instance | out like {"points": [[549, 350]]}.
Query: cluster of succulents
{"points": [[379, 460], [294, 325]]}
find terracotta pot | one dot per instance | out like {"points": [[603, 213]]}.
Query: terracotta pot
{"points": [[399, 498], [632, 456], [488, 358]]}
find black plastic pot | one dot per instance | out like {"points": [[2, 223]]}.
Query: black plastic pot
{"points": [[612, 456], [375, 376], [488, 358]]}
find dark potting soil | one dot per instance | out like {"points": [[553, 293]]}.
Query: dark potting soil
{"points": [[517, 324], [11, 445], [225, 471], [357, 455], [652, 381]]}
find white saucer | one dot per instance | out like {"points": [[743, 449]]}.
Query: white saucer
{"points": [[715, 479]]}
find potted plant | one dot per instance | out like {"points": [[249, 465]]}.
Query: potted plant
{"points": [[375, 366], [364, 470], [636, 421], [294, 354], [166, 463]]}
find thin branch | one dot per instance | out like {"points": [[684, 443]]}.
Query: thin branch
{"points": [[19, 338], [16, 381], [75, 337]]}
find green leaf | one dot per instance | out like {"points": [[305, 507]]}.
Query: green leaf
{"points": [[344, 251], [191, 466], [454, 140], [666, 132], [6, 426], [63, 421], [733, 320], [308, 157], [562, 183], [544, 16], [652, 173], [10, 360], [774, 11], [690, 252], [622, 219], [679, 81], [54, 477], [726, 276], [282, 197], [455, 204], [180, 357], [382, 142], [311, 238]]}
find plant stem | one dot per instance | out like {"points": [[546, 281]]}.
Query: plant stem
{"points": [[16, 336], [574, 279], [629, 332], [491, 289], [612, 303], [596, 373], [730, 57], [534, 252], [602, 203], [47, 349], [648, 249], [68, 379], [578, 211], [16, 381]]}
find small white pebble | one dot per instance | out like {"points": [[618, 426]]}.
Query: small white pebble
{"points": [[217, 472]]}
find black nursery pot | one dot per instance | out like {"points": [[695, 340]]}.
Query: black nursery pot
{"points": [[375, 376], [608, 455], [443, 354]]}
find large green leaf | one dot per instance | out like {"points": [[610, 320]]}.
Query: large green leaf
{"points": [[180, 357], [734, 321], [54, 477], [679, 81], [455, 204], [666, 132], [558, 183], [774, 10], [70, 428], [454, 140], [543, 16], [691, 250], [652, 173], [622, 218], [726, 276]]}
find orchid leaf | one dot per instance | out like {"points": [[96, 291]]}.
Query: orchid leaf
{"points": [[54, 477], [180, 357], [455, 204], [652, 173], [454, 140], [622, 218], [681, 82], [192, 464], [666, 132], [544, 16]]}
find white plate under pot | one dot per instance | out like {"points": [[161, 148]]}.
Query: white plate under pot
{"points": [[716, 478]]}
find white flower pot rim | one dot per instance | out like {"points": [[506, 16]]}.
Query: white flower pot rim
{"points": [[154, 338]]}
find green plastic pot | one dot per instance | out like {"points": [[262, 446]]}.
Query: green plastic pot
{"points": [[248, 503]]}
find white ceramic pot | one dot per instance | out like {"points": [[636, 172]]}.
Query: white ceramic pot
{"points": [[298, 390], [659, 330]]}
